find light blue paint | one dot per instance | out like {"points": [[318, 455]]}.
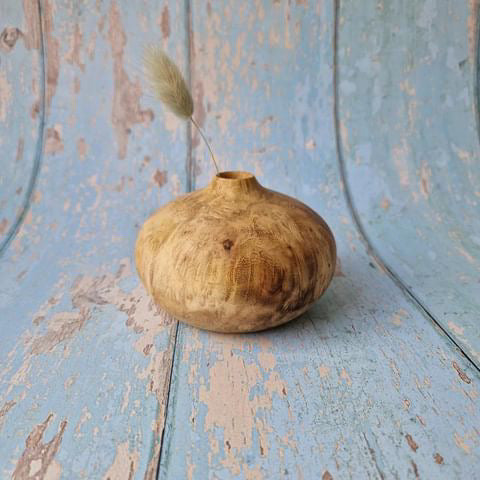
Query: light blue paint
{"points": [[21, 130], [339, 389], [399, 377], [416, 130], [84, 224]]}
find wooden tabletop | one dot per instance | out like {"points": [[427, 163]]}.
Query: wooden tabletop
{"points": [[365, 111]]}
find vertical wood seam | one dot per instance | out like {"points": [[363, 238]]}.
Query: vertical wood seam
{"points": [[39, 147], [167, 401], [476, 70], [371, 250], [188, 74], [190, 185]]}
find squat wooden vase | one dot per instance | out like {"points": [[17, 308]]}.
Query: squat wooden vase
{"points": [[235, 256]]}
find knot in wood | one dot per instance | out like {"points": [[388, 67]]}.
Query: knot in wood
{"points": [[227, 244]]}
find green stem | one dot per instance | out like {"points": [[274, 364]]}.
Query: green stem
{"points": [[206, 142]]}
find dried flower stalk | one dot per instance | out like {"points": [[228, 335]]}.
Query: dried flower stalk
{"points": [[168, 84]]}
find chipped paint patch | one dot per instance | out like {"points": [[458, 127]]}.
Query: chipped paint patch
{"points": [[345, 376], [266, 360], [399, 316], [126, 397], [89, 294], [223, 118], [73, 54], [165, 22], [233, 377], [323, 371], [400, 159], [85, 417], [31, 31], [472, 21], [124, 464], [69, 382], [5, 96], [54, 140], [62, 327], [344, 137], [465, 378], [8, 38], [37, 460], [200, 113], [91, 45], [37, 196], [53, 57], [160, 177], [460, 442], [82, 148], [3, 226], [338, 268], [411, 442], [465, 254], [385, 203], [7, 406], [425, 174], [126, 110], [455, 328], [20, 148]]}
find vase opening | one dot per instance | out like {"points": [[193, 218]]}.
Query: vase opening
{"points": [[235, 175]]}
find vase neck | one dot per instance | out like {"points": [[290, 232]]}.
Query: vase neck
{"points": [[235, 183]]}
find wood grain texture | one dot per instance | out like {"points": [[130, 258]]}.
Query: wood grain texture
{"points": [[84, 356], [235, 256], [362, 386], [409, 137]]}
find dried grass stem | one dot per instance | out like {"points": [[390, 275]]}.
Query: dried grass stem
{"points": [[169, 86]]}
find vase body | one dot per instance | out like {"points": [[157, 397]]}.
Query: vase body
{"points": [[235, 256]]}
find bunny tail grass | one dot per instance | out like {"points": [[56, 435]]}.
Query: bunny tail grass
{"points": [[167, 83]]}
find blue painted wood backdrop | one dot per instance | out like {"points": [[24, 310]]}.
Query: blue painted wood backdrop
{"points": [[367, 112]]}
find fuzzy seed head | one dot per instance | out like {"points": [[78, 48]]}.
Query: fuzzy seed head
{"points": [[167, 82]]}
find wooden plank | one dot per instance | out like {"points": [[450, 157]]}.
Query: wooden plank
{"points": [[363, 385], [21, 120], [85, 359], [407, 91]]}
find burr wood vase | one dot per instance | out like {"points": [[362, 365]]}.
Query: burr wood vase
{"points": [[235, 256]]}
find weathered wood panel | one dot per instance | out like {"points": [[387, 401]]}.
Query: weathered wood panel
{"points": [[85, 358], [362, 386], [21, 112], [410, 142]]}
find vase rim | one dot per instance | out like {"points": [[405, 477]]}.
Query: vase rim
{"points": [[235, 175], [232, 183]]}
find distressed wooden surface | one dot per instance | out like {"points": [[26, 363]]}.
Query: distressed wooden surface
{"points": [[361, 386], [21, 121], [367, 384], [409, 133], [85, 359]]}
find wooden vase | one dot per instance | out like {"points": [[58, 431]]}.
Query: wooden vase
{"points": [[235, 256]]}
